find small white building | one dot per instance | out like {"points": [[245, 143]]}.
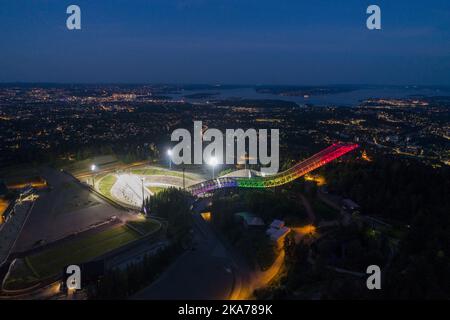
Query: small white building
{"points": [[277, 224], [250, 220], [277, 231]]}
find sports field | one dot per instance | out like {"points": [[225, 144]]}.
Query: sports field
{"points": [[156, 171], [155, 189], [105, 185], [50, 262], [126, 186], [145, 226]]}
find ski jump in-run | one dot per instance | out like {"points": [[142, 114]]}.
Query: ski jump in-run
{"points": [[300, 169]]}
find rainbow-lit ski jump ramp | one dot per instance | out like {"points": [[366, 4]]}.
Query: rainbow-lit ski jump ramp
{"points": [[319, 159]]}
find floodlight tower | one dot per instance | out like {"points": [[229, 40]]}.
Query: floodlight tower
{"points": [[93, 169], [213, 163]]}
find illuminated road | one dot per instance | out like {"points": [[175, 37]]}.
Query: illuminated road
{"points": [[248, 280], [206, 272], [214, 270], [50, 291]]}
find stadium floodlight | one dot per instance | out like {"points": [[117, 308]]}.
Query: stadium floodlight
{"points": [[93, 168], [213, 163]]}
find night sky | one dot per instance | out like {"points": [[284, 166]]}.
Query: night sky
{"points": [[226, 41]]}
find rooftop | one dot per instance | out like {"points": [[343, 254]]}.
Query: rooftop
{"points": [[250, 218]]}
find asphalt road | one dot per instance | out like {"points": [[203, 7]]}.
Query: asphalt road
{"points": [[204, 273], [65, 209]]}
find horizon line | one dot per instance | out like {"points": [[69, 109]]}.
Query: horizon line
{"points": [[215, 84]]}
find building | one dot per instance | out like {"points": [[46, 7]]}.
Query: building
{"points": [[277, 224], [250, 220], [350, 206], [277, 231]]}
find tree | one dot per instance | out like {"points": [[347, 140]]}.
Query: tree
{"points": [[173, 205]]}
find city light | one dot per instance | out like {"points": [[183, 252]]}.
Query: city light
{"points": [[213, 163], [308, 229], [365, 157], [332, 164], [206, 216], [318, 179], [93, 168]]}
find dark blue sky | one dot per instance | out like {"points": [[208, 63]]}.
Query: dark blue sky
{"points": [[226, 41]]}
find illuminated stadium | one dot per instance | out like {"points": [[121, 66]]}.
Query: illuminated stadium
{"points": [[132, 187]]}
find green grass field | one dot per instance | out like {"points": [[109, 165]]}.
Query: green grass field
{"points": [[50, 262], [145, 226], [105, 185], [156, 171], [156, 190]]}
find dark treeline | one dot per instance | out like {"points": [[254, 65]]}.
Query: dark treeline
{"points": [[418, 196], [402, 191], [252, 242], [126, 152], [397, 189], [268, 204], [122, 283], [173, 205], [415, 262]]}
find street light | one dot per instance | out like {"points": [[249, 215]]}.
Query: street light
{"points": [[213, 163], [93, 168], [169, 153]]}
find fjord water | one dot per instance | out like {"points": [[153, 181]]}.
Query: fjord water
{"points": [[347, 98]]}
